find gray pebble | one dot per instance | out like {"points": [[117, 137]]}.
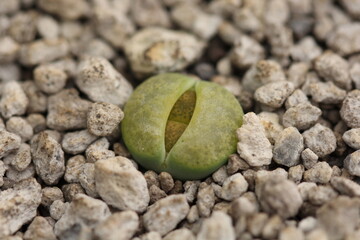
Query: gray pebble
{"points": [[205, 200], [296, 173], [352, 163], [9, 143], [51, 194], [37, 99], [20, 159], [350, 110], [8, 50], [13, 100], [345, 186], [49, 79], [352, 138], [77, 142], [57, 209], [218, 226], [180, 234], [301, 116], [87, 179], [327, 93], [320, 173], [320, 139], [74, 168], [309, 158], [20, 127], [345, 38], [321, 195], [65, 9], [274, 94], [40, 229], [288, 147], [297, 97]]}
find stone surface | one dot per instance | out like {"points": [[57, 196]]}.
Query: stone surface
{"points": [[352, 138], [20, 127], [9, 143], [18, 206], [13, 100], [121, 185], [49, 79], [350, 109], [301, 116], [320, 139], [77, 142], [274, 94], [320, 173], [234, 187], [253, 146], [39, 229], [345, 186], [100, 81], [165, 214]]}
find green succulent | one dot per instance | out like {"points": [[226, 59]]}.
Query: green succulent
{"points": [[180, 125]]}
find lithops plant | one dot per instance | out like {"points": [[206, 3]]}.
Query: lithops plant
{"points": [[180, 125]]}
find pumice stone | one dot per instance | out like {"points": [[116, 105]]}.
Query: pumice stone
{"points": [[176, 124]]}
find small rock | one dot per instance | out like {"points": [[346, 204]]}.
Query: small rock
{"points": [[16, 176], [153, 50], [352, 163], [20, 127], [305, 188], [121, 185], [327, 93], [319, 173], [166, 181], [43, 51], [48, 27], [51, 194], [82, 210], [180, 234], [165, 214], [103, 118], [301, 116], [272, 227], [218, 226], [8, 49], [87, 179], [321, 140], [9, 143], [100, 81], [149, 236], [339, 217], [39, 229], [296, 173], [321, 195], [98, 150], [65, 9], [48, 158], [345, 186], [288, 147], [350, 110], [191, 189], [307, 224], [297, 97], [149, 13], [352, 138], [37, 122], [156, 194], [272, 126], [256, 223], [119, 226], [345, 38], [280, 196], [333, 68], [292, 233], [74, 167], [274, 94], [67, 111], [57, 209], [242, 207], [18, 205], [151, 178], [205, 200], [309, 158], [253, 146], [193, 214], [305, 50], [20, 159], [13, 100], [234, 187], [49, 79], [77, 142], [220, 175], [37, 99], [235, 163], [71, 190], [99, 48], [246, 52]]}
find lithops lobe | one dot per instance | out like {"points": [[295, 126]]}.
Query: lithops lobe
{"points": [[177, 124]]}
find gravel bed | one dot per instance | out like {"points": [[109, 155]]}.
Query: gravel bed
{"points": [[68, 67]]}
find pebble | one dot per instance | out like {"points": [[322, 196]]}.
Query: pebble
{"points": [[37, 99], [165, 214], [218, 226], [118, 226], [333, 67], [271, 123], [153, 50], [48, 27], [297, 97], [9, 6], [67, 111], [43, 51], [352, 163], [20, 159], [49, 79], [256, 223], [57, 209], [246, 52], [205, 200], [48, 158], [327, 93], [87, 179], [71, 190], [233, 187], [345, 39], [191, 190], [77, 142], [291, 233], [350, 109], [301, 116], [9, 143], [121, 185], [253, 146], [40, 229], [309, 158], [235, 163], [339, 217], [103, 118], [192, 18], [352, 138], [51, 194], [166, 182], [156, 194], [23, 26], [280, 196], [149, 13], [8, 50], [74, 167], [345, 186], [65, 9], [26, 197], [98, 150], [180, 234], [320, 173], [16, 176], [296, 173], [100, 81], [321, 195], [13, 100], [20, 127], [320, 139], [274, 94], [305, 50], [355, 74], [288, 147], [220, 175], [83, 210]]}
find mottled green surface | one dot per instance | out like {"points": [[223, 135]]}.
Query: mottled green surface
{"points": [[205, 144]]}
